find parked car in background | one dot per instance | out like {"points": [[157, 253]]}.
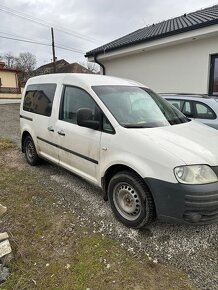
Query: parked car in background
{"points": [[202, 108]]}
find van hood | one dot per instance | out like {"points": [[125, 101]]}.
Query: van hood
{"points": [[191, 142]]}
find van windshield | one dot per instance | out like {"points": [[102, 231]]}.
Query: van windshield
{"points": [[135, 107]]}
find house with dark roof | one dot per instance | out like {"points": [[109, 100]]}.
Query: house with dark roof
{"points": [[179, 55], [61, 66], [9, 86], [74, 68], [48, 68]]}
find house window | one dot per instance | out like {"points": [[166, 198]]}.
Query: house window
{"points": [[213, 85]]}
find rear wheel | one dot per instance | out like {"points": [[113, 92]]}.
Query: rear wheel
{"points": [[131, 200], [30, 152]]}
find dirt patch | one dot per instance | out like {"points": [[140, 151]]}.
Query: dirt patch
{"points": [[54, 249]]}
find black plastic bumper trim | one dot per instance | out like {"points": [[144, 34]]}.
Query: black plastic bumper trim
{"points": [[176, 201]]}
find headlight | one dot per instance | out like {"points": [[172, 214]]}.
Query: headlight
{"points": [[195, 174]]}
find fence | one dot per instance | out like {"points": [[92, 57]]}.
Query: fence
{"points": [[4, 90]]}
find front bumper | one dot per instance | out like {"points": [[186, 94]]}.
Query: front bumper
{"points": [[196, 204]]}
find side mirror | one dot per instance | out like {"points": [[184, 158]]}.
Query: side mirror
{"points": [[85, 119]]}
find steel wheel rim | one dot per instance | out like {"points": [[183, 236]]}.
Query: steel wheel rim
{"points": [[30, 150], [127, 201]]}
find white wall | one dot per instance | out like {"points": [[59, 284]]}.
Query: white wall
{"points": [[181, 68]]}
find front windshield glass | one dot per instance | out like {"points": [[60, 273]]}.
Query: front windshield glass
{"points": [[135, 107]]}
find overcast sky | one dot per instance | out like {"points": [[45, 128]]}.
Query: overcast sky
{"points": [[97, 21]]}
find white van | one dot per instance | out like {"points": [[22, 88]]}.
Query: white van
{"points": [[149, 159]]}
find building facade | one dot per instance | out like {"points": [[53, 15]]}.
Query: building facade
{"points": [[9, 87], [179, 55]]}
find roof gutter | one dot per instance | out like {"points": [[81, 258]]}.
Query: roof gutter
{"points": [[101, 65]]}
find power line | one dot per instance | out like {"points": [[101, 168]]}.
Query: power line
{"points": [[57, 44], [16, 35], [41, 43], [17, 13], [45, 23]]}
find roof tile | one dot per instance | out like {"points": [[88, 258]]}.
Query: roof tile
{"points": [[186, 22]]}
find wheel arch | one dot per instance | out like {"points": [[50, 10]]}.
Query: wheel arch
{"points": [[111, 171], [24, 135]]}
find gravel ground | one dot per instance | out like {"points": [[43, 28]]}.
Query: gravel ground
{"points": [[193, 249]]}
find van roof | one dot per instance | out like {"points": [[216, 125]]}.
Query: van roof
{"points": [[83, 79]]}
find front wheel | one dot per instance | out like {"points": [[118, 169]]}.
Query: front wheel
{"points": [[131, 200], [30, 152]]}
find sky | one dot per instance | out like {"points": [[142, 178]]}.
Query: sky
{"points": [[80, 24]]}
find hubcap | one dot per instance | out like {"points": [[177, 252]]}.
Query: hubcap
{"points": [[127, 201], [30, 150]]}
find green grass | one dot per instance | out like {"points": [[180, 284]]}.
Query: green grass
{"points": [[6, 143]]}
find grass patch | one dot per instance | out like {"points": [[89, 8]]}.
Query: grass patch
{"points": [[50, 256], [6, 143]]}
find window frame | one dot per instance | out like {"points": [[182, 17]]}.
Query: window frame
{"points": [[37, 90], [194, 109], [213, 57], [102, 115], [191, 106], [201, 103], [183, 104]]}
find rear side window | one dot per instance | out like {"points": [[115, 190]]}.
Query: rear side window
{"points": [[39, 99], [203, 111]]}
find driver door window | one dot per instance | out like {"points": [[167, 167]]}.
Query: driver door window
{"points": [[74, 99]]}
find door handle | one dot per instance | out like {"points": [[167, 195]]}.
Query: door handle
{"points": [[61, 132], [51, 129]]}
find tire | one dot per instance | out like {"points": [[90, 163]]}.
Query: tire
{"points": [[30, 152], [131, 200]]}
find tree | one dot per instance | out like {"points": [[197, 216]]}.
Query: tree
{"points": [[9, 59], [25, 64]]}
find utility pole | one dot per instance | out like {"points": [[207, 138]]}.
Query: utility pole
{"points": [[53, 49]]}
